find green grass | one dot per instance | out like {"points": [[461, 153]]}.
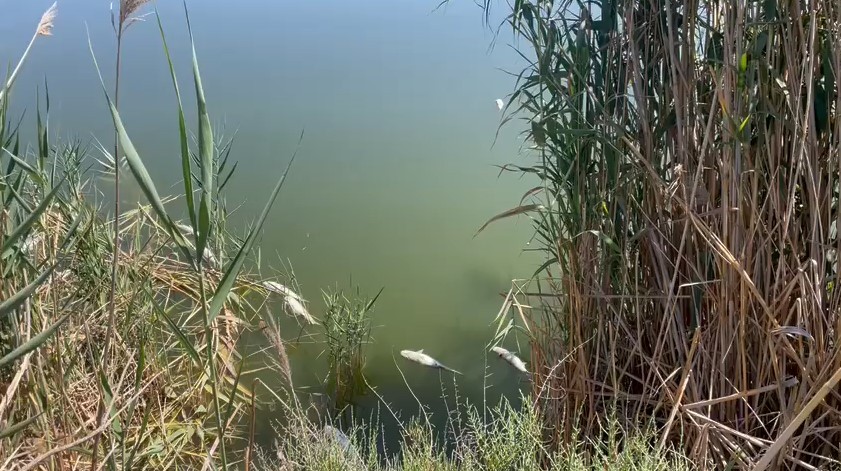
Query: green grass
{"points": [[511, 439]]}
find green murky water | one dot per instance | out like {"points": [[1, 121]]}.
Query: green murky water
{"points": [[396, 168]]}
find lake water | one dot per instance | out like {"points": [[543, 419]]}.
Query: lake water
{"points": [[396, 169]]}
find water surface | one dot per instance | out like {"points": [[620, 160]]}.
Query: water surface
{"points": [[395, 171]]}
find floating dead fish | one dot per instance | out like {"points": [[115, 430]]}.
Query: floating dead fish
{"points": [[185, 229], [297, 309], [511, 358], [793, 331], [207, 255], [293, 301], [500, 104], [31, 242], [335, 434], [209, 259], [425, 360], [280, 289]]}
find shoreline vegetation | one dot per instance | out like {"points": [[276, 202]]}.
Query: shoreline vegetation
{"points": [[687, 172]]}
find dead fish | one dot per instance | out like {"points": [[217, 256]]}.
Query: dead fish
{"points": [[333, 433], [293, 301], [280, 289], [500, 104], [296, 308], [425, 360], [32, 241], [207, 255], [511, 358]]}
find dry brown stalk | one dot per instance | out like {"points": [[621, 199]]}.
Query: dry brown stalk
{"points": [[689, 153]]}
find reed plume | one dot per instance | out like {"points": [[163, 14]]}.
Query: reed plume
{"points": [[45, 26], [127, 9]]}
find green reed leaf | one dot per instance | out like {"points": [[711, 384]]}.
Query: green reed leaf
{"points": [[230, 275]]}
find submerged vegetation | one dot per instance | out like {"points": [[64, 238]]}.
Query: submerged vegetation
{"points": [[687, 174]]}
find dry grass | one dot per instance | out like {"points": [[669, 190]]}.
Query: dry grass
{"points": [[687, 165], [126, 361], [45, 26], [157, 391]]}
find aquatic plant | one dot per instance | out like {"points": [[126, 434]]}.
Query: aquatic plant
{"points": [[347, 329], [686, 172]]}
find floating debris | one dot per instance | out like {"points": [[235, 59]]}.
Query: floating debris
{"points": [[335, 434], [31, 242], [296, 307], [500, 104], [425, 360], [511, 358]]}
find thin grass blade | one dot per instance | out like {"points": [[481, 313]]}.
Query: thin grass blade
{"points": [[34, 342], [138, 169], [21, 230], [511, 212], [19, 297], [206, 149], [182, 338], [227, 281], [182, 134], [15, 428]]}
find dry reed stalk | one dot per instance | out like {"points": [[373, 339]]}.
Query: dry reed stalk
{"points": [[45, 28], [689, 153]]}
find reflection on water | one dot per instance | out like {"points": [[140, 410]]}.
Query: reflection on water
{"points": [[396, 169]]}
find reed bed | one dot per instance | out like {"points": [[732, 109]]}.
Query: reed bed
{"points": [[685, 158], [119, 335]]}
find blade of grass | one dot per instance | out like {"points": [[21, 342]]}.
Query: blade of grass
{"points": [[138, 169], [22, 229], [230, 406], [182, 134], [15, 428], [19, 297], [506, 214], [182, 338], [206, 148], [230, 275], [34, 342]]}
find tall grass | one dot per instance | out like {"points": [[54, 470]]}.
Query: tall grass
{"points": [[121, 23], [78, 289], [685, 158]]}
